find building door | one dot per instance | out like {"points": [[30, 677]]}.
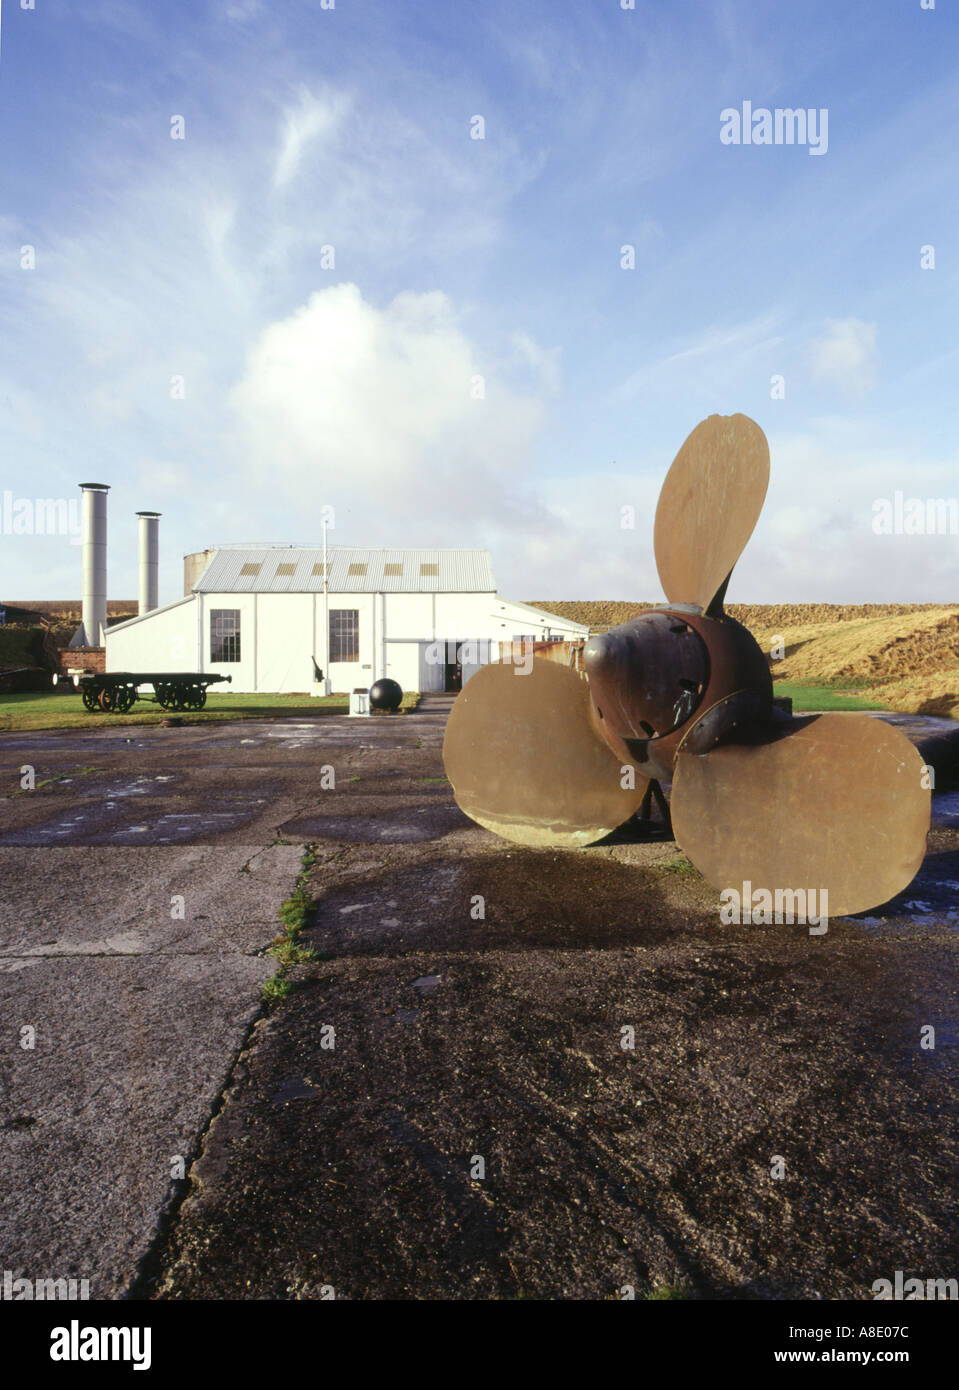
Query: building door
{"points": [[453, 678]]}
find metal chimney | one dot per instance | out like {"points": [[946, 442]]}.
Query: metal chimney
{"points": [[149, 560], [94, 526]]}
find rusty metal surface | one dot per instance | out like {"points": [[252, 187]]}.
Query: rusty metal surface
{"points": [[831, 802], [647, 676], [737, 687], [565, 653], [708, 506], [937, 740], [526, 759]]}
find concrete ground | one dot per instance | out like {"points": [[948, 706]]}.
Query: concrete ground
{"points": [[139, 884], [444, 1108]]}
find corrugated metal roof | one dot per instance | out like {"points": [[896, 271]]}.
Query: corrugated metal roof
{"points": [[268, 570]]}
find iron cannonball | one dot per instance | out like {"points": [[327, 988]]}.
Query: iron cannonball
{"points": [[385, 694]]}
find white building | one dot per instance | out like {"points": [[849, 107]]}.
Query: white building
{"points": [[426, 618]]}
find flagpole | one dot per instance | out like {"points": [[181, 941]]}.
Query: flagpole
{"points": [[327, 686]]}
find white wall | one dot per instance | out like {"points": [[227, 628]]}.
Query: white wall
{"points": [[404, 663], [163, 640], [280, 634], [492, 618], [409, 615], [284, 649]]}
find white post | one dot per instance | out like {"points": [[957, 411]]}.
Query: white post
{"points": [[327, 684]]}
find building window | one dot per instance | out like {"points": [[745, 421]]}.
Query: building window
{"points": [[224, 634], [356, 571], [429, 571], [344, 634], [250, 570], [286, 569], [393, 571]]}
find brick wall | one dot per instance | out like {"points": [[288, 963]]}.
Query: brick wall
{"points": [[88, 658]]}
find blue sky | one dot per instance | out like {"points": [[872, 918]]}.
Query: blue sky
{"points": [[355, 385]]}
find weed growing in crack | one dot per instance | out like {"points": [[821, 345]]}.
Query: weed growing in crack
{"points": [[294, 914], [679, 865]]}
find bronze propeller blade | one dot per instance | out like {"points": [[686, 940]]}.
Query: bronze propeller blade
{"points": [[708, 506], [526, 759], [830, 802]]}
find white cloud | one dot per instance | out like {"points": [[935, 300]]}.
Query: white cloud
{"points": [[578, 548], [313, 118], [380, 412], [814, 541], [371, 410], [847, 356], [544, 362], [242, 10]]}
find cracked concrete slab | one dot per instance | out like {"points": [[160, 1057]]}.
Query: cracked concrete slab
{"points": [[128, 901], [139, 885], [130, 1054], [136, 1015]]}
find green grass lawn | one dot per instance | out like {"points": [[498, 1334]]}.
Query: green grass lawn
{"points": [[53, 711], [816, 698]]}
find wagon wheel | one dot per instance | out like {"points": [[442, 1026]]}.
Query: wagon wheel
{"points": [[109, 698], [162, 693], [126, 698], [89, 698], [177, 697], [200, 700]]}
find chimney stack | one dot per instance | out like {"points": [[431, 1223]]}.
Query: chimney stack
{"points": [[149, 560], [94, 525]]}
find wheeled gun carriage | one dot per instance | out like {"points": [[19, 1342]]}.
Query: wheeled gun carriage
{"points": [[117, 691]]}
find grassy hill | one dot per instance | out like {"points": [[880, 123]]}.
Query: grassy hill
{"points": [[58, 618], [905, 654]]}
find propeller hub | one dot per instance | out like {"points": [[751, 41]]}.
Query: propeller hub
{"points": [[674, 679], [648, 676]]}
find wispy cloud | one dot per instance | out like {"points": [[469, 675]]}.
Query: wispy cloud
{"points": [[719, 354], [315, 117], [847, 356]]}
